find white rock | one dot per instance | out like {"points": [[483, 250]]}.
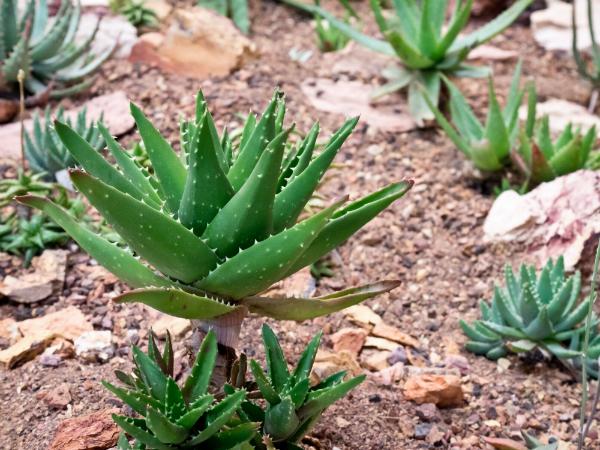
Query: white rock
{"points": [[95, 346], [561, 113], [112, 28]]}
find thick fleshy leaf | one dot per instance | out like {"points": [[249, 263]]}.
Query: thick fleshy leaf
{"points": [[196, 411], [233, 437], [281, 420], [197, 383], [317, 401], [207, 188], [176, 302], [267, 391], [347, 221], [113, 258], [255, 269], [151, 374], [248, 216], [218, 416], [276, 363], [411, 56], [309, 308], [134, 399], [162, 241], [306, 361], [167, 166], [143, 436], [163, 428]]}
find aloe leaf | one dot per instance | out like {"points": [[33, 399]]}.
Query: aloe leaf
{"points": [[497, 352], [541, 327], [509, 314], [301, 159], [134, 399], [346, 221], [410, 55], [168, 168], [561, 352], [165, 430], [128, 425], [424, 82], [428, 31], [248, 216], [233, 437], [207, 189], [114, 259], [196, 411], [495, 128], [239, 15], [458, 22], [218, 416], [130, 169], [266, 262], [267, 391], [408, 15], [521, 346], [566, 159], [477, 335], [199, 378], [9, 35], [52, 41], [252, 150], [291, 200], [150, 372], [281, 420], [300, 309], [276, 364], [515, 95], [369, 42], [93, 162], [317, 401], [203, 111], [393, 85], [574, 317], [529, 307], [462, 114], [307, 359], [163, 242], [504, 330]]}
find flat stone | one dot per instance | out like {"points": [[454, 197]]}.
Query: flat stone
{"points": [[362, 314], [68, 323], [353, 98], [390, 375], [9, 330], [56, 398], [377, 361], [381, 343], [95, 431], [176, 326], [441, 390], [328, 363], [117, 118], [394, 334], [349, 339], [199, 43], [25, 349], [94, 346]]}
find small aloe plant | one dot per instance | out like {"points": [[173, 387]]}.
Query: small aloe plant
{"points": [[540, 158], [212, 228], [487, 146], [292, 405], [424, 44], [46, 50], [138, 14], [174, 417], [530, 311], [44, 150]]}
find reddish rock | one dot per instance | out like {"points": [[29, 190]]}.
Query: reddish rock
{"points": [[349, 339], [441, 390], [8, 110], [95, 431], [57, 398], [391, 333]]}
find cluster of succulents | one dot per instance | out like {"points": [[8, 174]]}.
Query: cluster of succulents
{"points": [[25, 183], [138, 14], [425, 45], [541, 158], [218, 225], [487, 145], [173, 417], [45, 49], [44, 150], [237, 10], [530, 311]]}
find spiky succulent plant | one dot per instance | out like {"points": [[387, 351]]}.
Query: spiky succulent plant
{"points": [[174, 417], [426, 47], [534, 443], [292, 406], [23, 184], [487, 145], [45, 151], [530, 311], [138, 14], [217, 225], [236, 10], [46, 49], [541, 158]]}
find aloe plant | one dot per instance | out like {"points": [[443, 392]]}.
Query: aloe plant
{"points": [[292, 405], [540, 158], [44, 150], [23, 184], [45, 49], [211, 229], [237, 10], [487, 146], [330, 38], [174, 417], [424, 44], [530, 311], [138, 14]]}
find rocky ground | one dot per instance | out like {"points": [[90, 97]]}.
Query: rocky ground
{"points": [[424, 390]]}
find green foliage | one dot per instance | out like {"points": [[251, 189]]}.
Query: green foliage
{"points": [[236, 10], [213, 227], [45, 49], [534, 443], [540, 158], [487, 145], [589, 71], [45, 151], [292, 406], [24, 183], [329, 38], [424, 44], [138, 15], [531, 310], [174, 417]]}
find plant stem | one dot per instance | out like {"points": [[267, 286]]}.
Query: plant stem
{"points": [[227, 329], [583, 426], [21, 80]]}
